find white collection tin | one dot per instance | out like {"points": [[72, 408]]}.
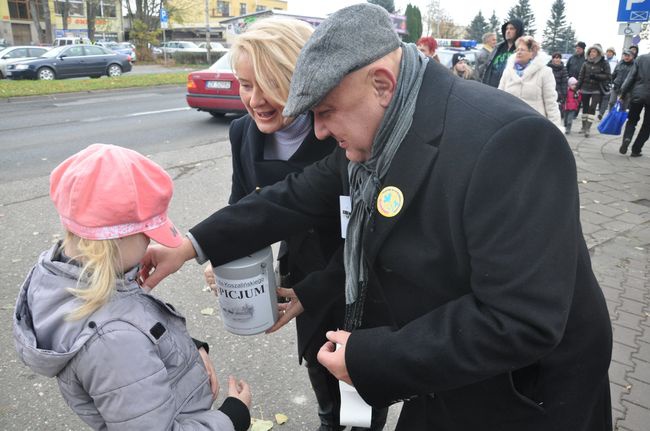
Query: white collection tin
{"points": [[246, 289]]}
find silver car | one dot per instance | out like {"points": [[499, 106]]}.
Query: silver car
{"points": [[13, 54]]}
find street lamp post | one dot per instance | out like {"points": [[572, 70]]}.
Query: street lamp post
{"points": [[207, 32]]}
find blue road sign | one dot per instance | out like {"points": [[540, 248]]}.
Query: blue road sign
{"points": [[633, 10], [164, 19]]}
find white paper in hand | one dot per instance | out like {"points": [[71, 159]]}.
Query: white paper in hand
{"points": [[354, 410]]}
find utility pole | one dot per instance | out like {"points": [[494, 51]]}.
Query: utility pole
{"points": [[207, 32]]}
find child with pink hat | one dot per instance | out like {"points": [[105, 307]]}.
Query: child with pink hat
{"points": [[123, 358]]}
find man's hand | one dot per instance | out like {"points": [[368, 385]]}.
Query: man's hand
{"points": [[159, 262], [240, 390], [332, 359], [288, 310], [209, 368]]}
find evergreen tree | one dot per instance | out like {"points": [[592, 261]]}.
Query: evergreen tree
{"points": [[389, 5], [568, 39], [555, 30], [495, 26], [523, 11], [478, 27], [413, 23]]}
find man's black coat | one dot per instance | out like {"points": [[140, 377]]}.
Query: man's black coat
{"points": [[493, 319], [304, 254]]}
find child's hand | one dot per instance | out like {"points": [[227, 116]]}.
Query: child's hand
{"points": [[210, 278], [209, 368], [240, 390]]}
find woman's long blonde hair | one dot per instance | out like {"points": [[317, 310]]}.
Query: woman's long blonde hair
{"points": [[100, 270], [273, 45]]}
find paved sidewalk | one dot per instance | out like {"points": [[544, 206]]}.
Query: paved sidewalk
{"points": [[615, 213]]}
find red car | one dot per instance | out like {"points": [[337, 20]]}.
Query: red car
{"points": [[215, 90]]}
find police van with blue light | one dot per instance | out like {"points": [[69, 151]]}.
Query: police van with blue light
{"points": [[448, 47]]}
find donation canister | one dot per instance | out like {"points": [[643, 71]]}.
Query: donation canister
{"points": [[247, 295]]}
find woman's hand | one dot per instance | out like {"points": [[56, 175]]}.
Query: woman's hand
{"points": [[240, 390], [288, 310], [209, 368]]}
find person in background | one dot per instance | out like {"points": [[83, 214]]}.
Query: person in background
{"points": [[618, 78], [511, 31], [635, 51], [489, 42], [469, 289], [637, 86], [460, 68], [610, 56], [592, 81], [527, 77], [575, 62], [561, 79], [572, 104], [266, 148], [122, 357], [428, 46]]}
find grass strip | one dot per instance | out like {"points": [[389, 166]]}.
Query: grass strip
{"points": [[11, 88]]}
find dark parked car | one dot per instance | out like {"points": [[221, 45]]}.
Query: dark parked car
{"points": [[215, 90], [71, 61]]}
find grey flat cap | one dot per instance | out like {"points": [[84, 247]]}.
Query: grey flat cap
{"points": [[347, 40]]}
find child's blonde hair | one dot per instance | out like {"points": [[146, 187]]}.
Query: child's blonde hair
{"points": [[100, 271], [273, 45]]}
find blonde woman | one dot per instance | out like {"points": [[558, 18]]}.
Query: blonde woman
{"points": [[123, 358], [527, 77], [266, 147]]}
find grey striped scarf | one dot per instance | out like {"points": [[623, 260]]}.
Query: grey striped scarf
{"points": [[365, 178]]}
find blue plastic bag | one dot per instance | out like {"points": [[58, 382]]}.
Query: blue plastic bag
{"points": [[613, 121]]}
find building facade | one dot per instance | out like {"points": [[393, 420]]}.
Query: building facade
{"points": [[17, 26], [187, 18]]}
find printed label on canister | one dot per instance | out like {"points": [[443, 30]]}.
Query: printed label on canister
{"points": [[247, 298]]}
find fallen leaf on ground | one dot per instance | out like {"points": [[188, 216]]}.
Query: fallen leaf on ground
{"points": [[208, 311], [280, 418], [260, 425]]}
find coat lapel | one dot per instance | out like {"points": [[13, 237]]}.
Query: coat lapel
{"points": [[416, 156]]}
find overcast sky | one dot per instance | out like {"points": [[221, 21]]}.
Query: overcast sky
{"points": [[593, 20]]}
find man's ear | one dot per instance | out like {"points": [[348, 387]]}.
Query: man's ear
{"points": [[384, 83]]}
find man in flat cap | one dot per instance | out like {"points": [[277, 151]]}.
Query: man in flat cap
{"points": [[468, 284]]}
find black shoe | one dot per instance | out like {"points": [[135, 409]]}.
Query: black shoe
{"points": [[330, 428], [624, 145], [600, 116], [635, 154]]}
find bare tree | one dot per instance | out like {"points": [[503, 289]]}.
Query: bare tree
{"points": [[439, 23], [36, 19], [47, 17], [65, 12], [91, 15]]}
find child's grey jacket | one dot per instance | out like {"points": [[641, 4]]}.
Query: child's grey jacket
{"points": [[131, 365]]}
